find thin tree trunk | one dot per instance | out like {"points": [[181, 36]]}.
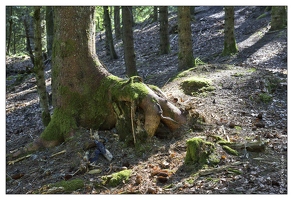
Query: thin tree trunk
{"points": [[230, 46], [164, 35], [39, 68], [129, 56], [185, 55], [49, 29], [10, 31], [109, 37], [155, 14], [28, 40], [279, 18], [117, 22]]}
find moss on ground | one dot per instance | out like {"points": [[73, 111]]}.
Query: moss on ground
{"points": [[199, 151], [194, 85], [117, 178], [70, 185]]}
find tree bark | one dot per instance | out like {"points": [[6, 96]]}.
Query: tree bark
{"points": [[109, 37], [230, 46], [10, 31], [279, 18], [155, 13], [185, 55], [88, 96], [49, 29], [28, 38], [129, 56], [117, 22], [39, 67], [164, 36]]}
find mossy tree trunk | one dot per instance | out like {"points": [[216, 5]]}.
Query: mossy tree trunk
{"points": [[230, 46], [117, 24], [164, 35], [129, 56], [49, 29], [39, 67], [109, 37], [185, 55], [88, 96], [279, 18]]}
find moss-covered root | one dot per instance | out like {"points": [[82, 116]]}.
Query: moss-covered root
{"points": [[59, 129], [198, 151]]}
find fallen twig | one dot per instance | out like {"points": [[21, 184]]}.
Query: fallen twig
{"points": [[18, 159], [58, 153]]}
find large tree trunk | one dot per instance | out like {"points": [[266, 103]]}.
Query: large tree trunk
{"points": [[230, 46], [279, 18], [185, 55], [109, 37], [49, 29], [117, 22], [39, 67], [129, 56], [164, 35], [87, 95]]}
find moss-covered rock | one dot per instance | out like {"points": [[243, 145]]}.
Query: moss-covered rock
{"points": [[70, 186], [195, 85], [199, 151], [116, 178]]}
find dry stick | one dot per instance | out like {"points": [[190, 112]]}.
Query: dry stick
{"points": [[58, 153], [19, 159], [131, 116]]}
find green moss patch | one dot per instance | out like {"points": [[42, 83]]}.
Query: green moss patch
{"points": [[194, 85], [229, 150], [70, 186], [199, 151], [117, 178]]}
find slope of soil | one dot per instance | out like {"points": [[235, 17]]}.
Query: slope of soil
{"points": [[249, 104]]}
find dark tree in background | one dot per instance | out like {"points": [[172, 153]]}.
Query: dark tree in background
{"points": [[49, 29], [279, 18], [164, 35], [129, 56], [109, 38], [155, 14], [9, 34], [185, 55], [117, 22], [39, 67], [230, 46]]}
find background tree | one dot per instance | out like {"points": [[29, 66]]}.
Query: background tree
{"points": [[164, 35], [49, 29], [87, 95], [9, 32], [155, 14], [185, 55], [108, 31], [279, 18], [230, 46], [39, 67], [129, 56], [117, 22]]}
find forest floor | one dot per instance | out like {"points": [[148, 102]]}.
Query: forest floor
{"points": [[249, 104]]}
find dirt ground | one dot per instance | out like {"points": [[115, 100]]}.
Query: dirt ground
{"points": [[249, 104]]}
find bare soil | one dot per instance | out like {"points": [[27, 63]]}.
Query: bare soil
{"points": [[249, 104]]}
